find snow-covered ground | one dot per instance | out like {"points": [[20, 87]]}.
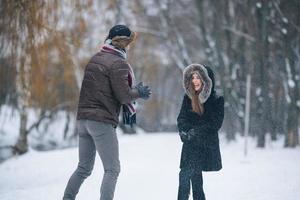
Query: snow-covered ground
{"points": [[150, 172]]}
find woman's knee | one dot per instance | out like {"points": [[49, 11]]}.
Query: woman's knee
{"points": [[185, 171]]}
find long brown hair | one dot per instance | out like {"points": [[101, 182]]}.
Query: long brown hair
{"points": [[196, 105]]}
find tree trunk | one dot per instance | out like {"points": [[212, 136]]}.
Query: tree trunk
{"points": [[292, 136], [21, 146], [262, 56]]}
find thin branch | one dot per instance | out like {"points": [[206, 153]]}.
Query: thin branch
{"points": [[283, 17], [48, 115], [240, 33], [148, 31]]}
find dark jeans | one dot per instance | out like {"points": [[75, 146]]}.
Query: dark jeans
{"points": [[188, 176]]}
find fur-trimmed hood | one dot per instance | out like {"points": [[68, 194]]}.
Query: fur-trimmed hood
{"points": [[207, 80]]}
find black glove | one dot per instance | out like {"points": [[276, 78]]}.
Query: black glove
{"points": [[187, 136], [183, 136], [191, 134], [144, 91]]}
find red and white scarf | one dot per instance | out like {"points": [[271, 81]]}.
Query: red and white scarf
{"points": [[109, 48]]}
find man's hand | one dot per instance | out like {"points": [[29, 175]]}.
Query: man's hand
{"points": [[144, 91]]}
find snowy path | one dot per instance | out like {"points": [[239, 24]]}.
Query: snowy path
{"points": [[150, 172]]}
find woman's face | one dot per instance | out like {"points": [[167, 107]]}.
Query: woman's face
{"points": [[196, 81]]}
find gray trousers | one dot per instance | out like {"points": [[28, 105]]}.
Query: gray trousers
{"points": [[102, 137]]}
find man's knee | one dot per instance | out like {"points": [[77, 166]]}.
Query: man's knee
{"points": [[114, 172], [84, 170]]}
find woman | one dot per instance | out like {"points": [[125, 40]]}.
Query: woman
{"points": [[199, 120]]}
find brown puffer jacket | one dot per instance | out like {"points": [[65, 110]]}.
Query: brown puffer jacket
{"points": [[105, 88]]}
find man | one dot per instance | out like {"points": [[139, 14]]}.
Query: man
{"points": [[107, 87]]}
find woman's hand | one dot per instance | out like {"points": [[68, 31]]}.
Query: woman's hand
{"points": [[187, 136]]}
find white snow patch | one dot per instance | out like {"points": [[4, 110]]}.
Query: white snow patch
{"points": [[258, 91], [285, 20], [241, 114], [150, 167], [258, 5], [284, 31], [270, 39], [298, 103], [291, 83]]}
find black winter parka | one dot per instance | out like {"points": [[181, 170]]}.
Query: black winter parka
{"points": [[203, 151]]}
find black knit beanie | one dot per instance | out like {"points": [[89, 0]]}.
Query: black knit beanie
{"points": [[119, 30]]}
